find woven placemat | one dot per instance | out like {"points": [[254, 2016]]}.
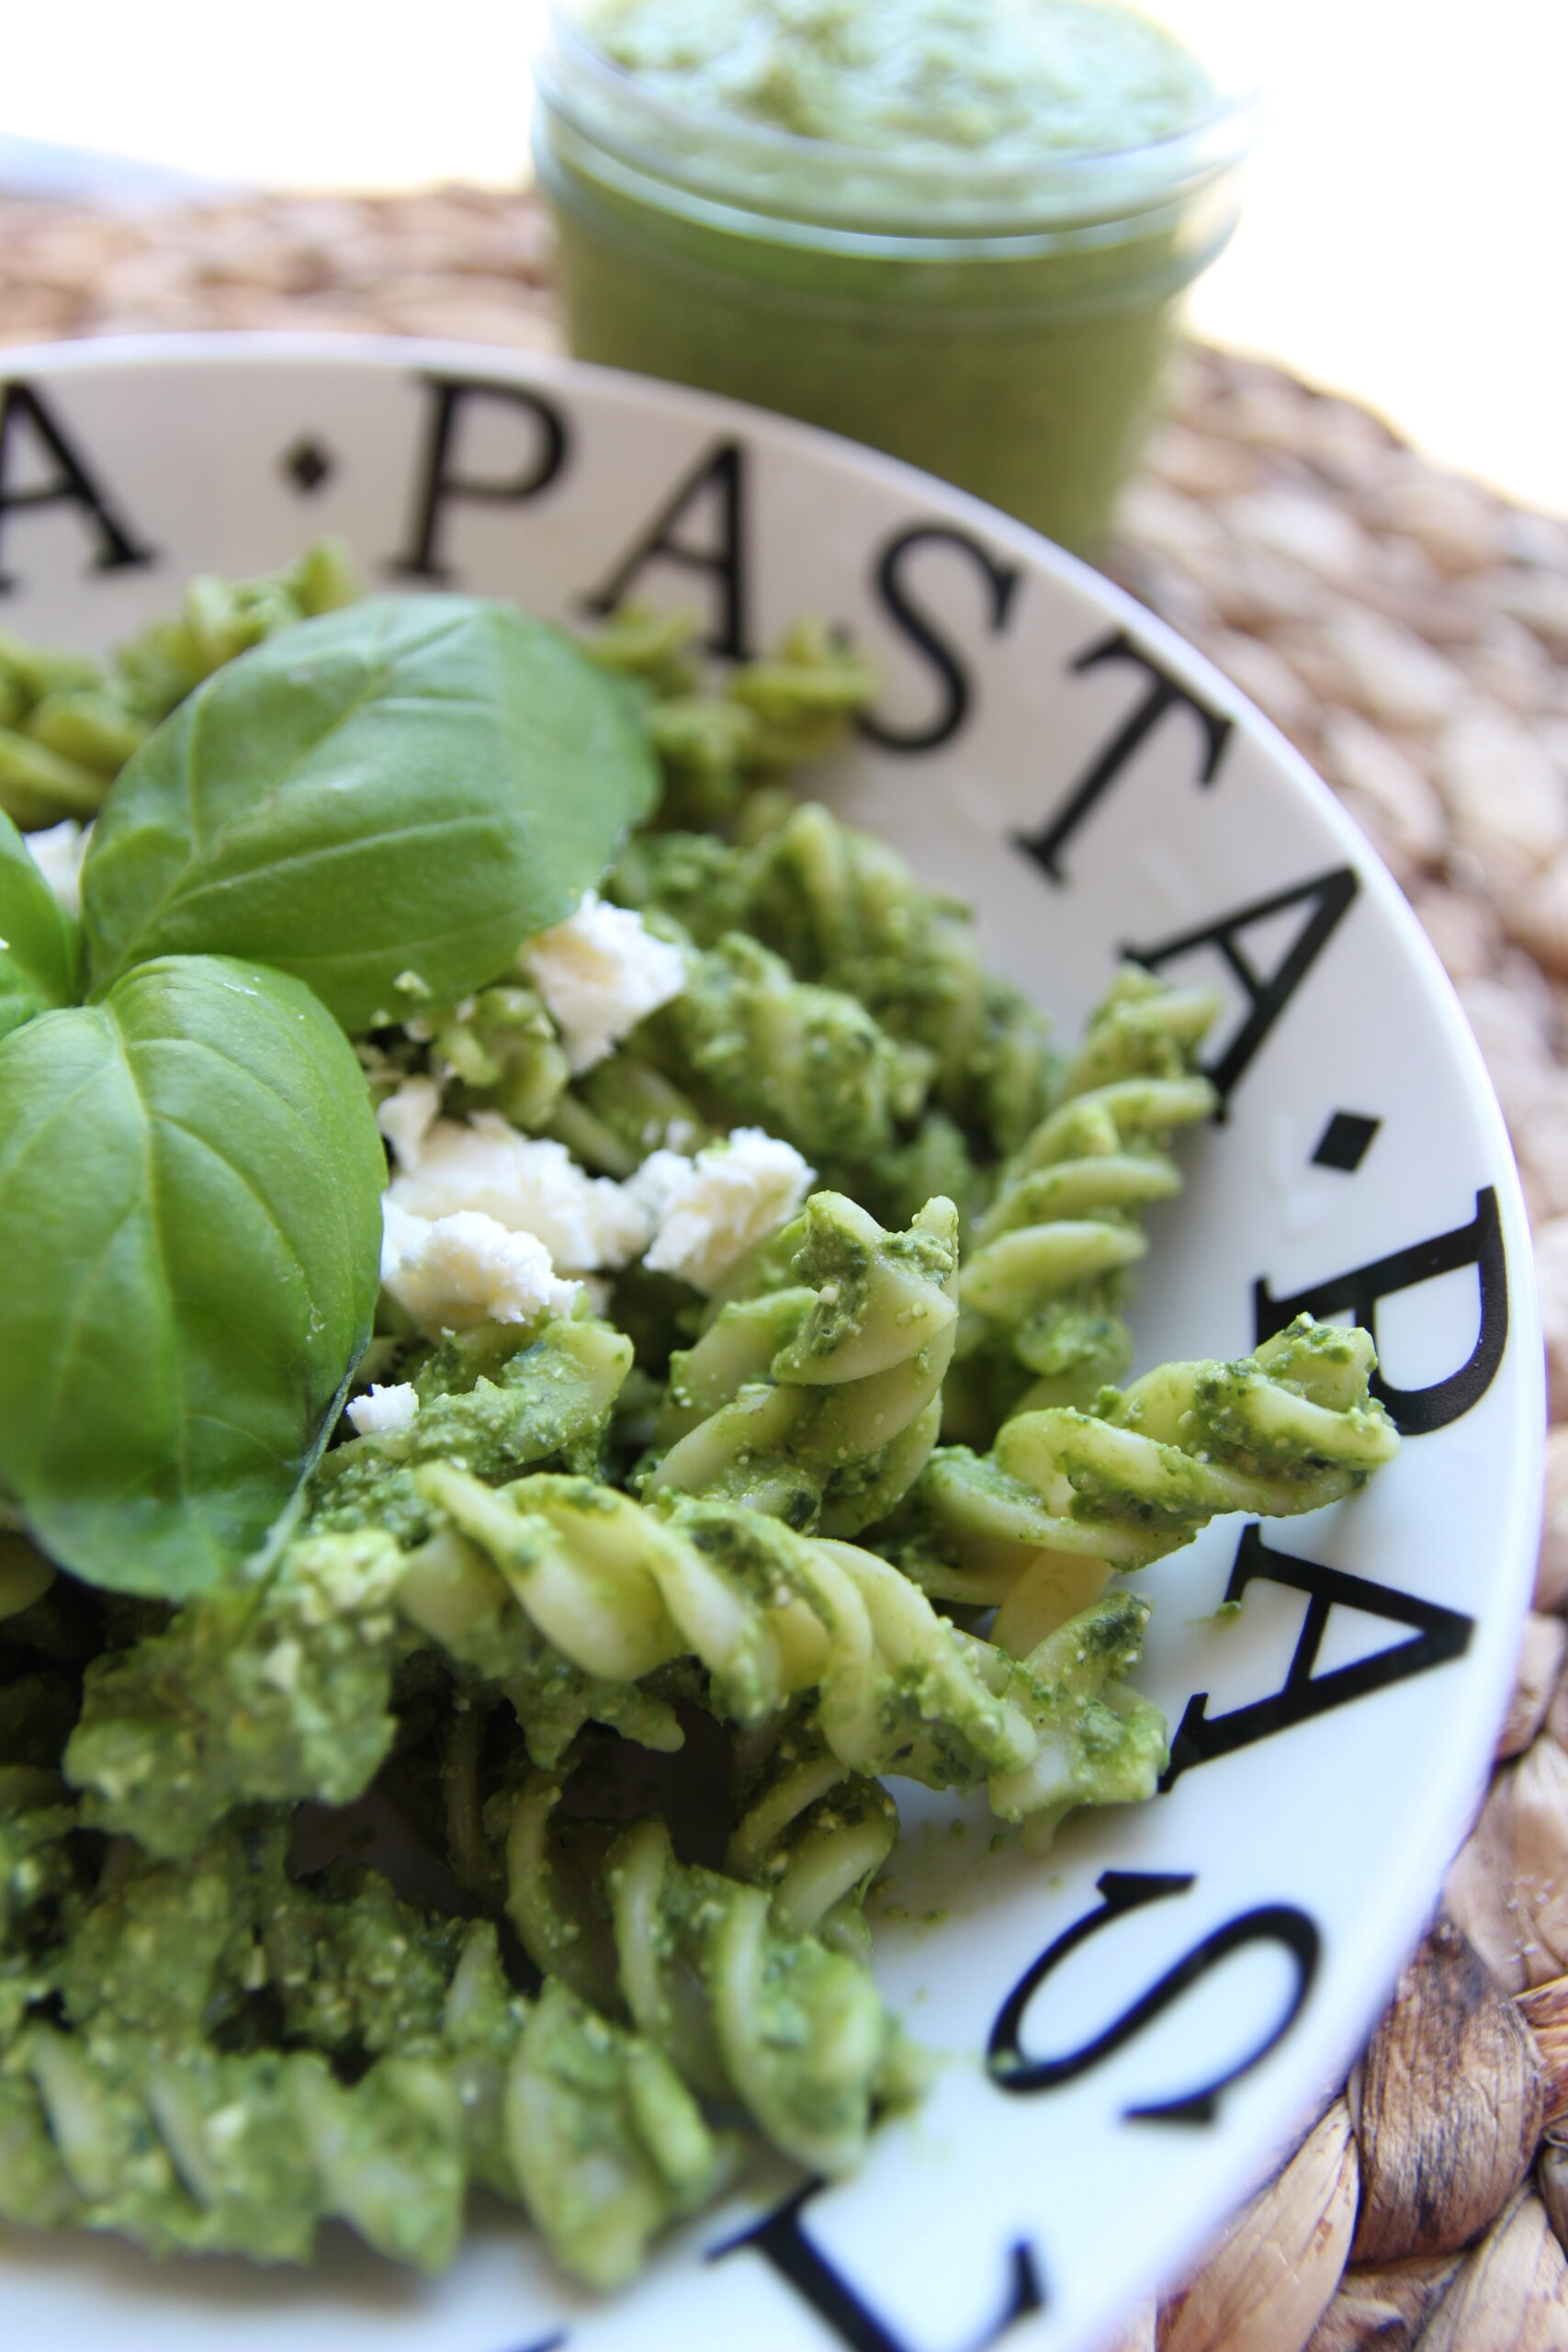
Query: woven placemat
{"points": [[1409, 631]]}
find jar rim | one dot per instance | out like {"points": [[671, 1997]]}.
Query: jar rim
{"points": [[688, 149]]}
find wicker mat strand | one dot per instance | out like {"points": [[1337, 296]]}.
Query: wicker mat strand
{"points": [[1409, 631]]}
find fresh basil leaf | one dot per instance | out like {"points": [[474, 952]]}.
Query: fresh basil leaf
{"points": [[386, 801], [189, 1229], [39, 942]]}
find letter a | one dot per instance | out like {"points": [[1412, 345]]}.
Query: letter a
{"points": [[72, 484]]}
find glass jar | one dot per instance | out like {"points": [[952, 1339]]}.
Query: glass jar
{"points": [[1005, 326]]}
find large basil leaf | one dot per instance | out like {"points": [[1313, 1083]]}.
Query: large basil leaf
{"points": [[384, 801], [189, 1232], [39, 945]]}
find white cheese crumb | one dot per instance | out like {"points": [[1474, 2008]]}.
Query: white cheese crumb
{"points": [[731, 1196], [599, 972], [526, 1183], [453, 1272], [282, 1663], [406, 1117], [382, 1412], [652, 1190], [399, 1232], [58, 852]]}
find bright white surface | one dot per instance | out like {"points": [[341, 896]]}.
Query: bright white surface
{"points": [[304, 93], [1401, 238], [1403, 211]]}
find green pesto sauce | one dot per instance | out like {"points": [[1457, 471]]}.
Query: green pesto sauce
{"points": [[967, 76], [976, 264]]}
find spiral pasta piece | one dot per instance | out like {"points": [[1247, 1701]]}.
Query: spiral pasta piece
{"points": [[504, 1054], [845, 910], [608, 2144], [1042, 1290], [167, 2074], [1098, 1742], [1286, 1429], [68, 725], [773, 1618], [792, 705], [285, 1694], [801, 695], [796, 2034], [281, 1689], [262, 1694], [820, 1399], [492, 1402], [65, 734], [185, 2148], [814, 1835], [640, 641], [622, 1110], [219, 619], [621, 1590], [808, 1063]]}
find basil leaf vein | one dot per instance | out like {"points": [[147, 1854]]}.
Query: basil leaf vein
{"points": [[384, 801]]}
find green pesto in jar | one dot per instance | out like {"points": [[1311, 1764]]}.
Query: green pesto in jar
{"points": [[964, 76], [956, 229]]}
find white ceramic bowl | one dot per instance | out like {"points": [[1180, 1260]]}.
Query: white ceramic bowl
{"points": [[1187, 1979]]}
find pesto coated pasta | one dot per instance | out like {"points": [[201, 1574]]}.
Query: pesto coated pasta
{"points": [[1047, 1277], [68, 724], [819, 1401], [737, 1439]]}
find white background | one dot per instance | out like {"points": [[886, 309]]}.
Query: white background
{"points": [[1407, 208]]}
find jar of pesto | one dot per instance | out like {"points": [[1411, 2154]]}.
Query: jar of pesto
{"points": [[957, 230]]}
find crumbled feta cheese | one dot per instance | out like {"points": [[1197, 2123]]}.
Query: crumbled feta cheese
{"points": [[58, 852], [452, 1272], [228, 2124], [400, 1234], [731, 1196], [281, 1665], [406, 1117], [526, 1183], [651, 1191], [599, 972], [382, 1412]]}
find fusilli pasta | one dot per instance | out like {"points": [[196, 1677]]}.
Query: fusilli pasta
{"points": [[674, 1557], [794, 2033]]}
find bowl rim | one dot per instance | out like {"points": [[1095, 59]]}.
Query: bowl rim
{"points": [[1312, 2068]]}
